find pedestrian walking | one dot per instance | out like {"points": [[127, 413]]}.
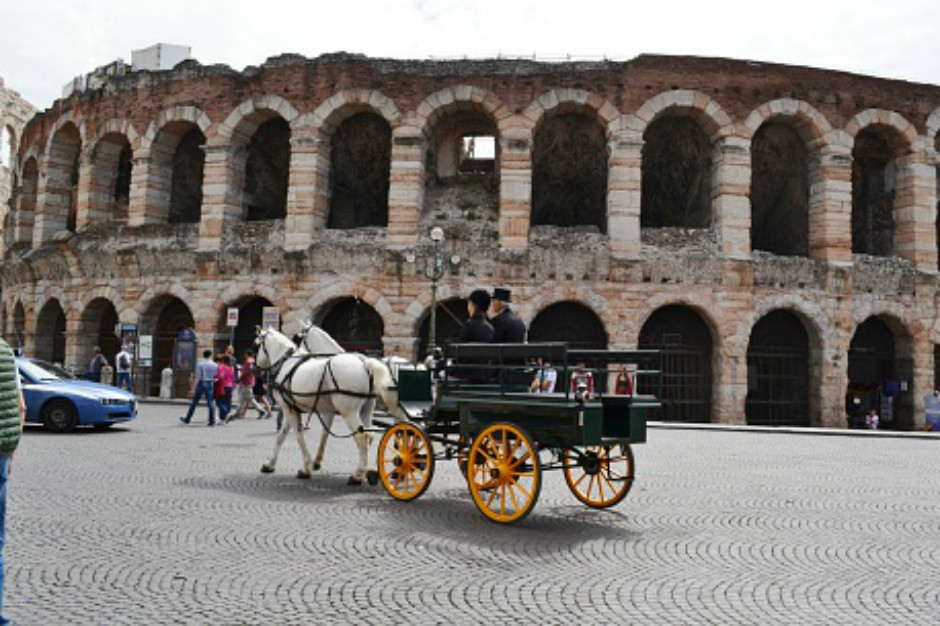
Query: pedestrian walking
{"points": [[203, 381], [97, 362], [246, 387], [123, 360], [12, 417], [224, 384]]}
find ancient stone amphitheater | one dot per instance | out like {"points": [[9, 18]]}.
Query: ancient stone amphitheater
{"points": [[771, 228]]}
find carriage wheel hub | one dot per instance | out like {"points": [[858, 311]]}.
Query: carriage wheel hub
{"points": [[590, 463]]}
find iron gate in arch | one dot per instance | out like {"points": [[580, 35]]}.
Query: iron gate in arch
{"points": [[778, 372]]}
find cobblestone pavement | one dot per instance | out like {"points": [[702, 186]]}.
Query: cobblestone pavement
{"points": [[159, 523]]}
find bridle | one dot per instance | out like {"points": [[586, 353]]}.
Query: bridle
{"points": [[273, 366]]}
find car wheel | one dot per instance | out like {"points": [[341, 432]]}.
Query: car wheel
{"points": [[59, 416]]}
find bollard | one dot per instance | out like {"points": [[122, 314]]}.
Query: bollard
{"points": [[107, 375], [166, 383]]}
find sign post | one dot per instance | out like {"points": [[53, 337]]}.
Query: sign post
{"points": [[271, 317], [232, 323]]}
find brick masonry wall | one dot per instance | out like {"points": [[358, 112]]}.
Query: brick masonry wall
{"points": [[302, 267]]}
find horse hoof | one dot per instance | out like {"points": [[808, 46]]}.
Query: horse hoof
{"points": [[316, 467], [355, 482], [267, 469], [302, 474], [372, 477]]}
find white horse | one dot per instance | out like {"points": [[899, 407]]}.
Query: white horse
{"points": [[318, 342], [303, 382]]}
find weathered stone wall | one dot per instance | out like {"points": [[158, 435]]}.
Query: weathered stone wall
{"points": [[624, 273], [14, 113]]}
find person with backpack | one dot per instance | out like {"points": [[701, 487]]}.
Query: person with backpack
{"points": [[124, 360], [97, 362]]}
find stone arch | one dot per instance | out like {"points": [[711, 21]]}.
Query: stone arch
{"points": [[97, 323], [112, 160], [50, 336], [315, 303], [165, 317], [458, 124], [880, 355], [450, 315], [686, 385], [327, 117], [574, 323], [680, 133], [353, 323], [778, 371], [59, 195], [571, 132], [174, 148], [188, 114], [28, 197], [258, 135], [809, 122], [882, 141]]}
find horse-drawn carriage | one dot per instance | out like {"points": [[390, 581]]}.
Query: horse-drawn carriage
{"points": [[497, 430]]}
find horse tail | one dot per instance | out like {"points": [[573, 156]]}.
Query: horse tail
{"points": [[384, 384]]}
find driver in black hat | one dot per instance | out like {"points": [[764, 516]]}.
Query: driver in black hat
{"points": [[476, 330], [507, 327]]}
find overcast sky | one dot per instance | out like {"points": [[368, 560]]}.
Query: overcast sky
{"points": [[47, 42]]}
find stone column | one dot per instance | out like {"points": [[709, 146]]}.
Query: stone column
{"points": [[515, 187], [406, 187], [306, 189], [149, 192], [87, 190], [624, 196], [730, 371], [915, 236], [923, 380], [221, 193], [830, 204], [731, 205]]}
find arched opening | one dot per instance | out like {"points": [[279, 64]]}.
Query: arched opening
{"points": [[779, 190], [98, 325], [685, 382], [19, 326], [676, 174], [462, 173], [7, 146], [177, 161], [874, 181], [111, 179], [250, 317], [355, 325], [62, 171], [266, 171], [172, 326], [569, 172], [778, 372], [26, 215], [878, 379], [450, 315], [569, 322], [360, 162], [936, 145], [50, 333]]}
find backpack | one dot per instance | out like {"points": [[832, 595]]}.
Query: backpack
{"points": [[124, 363]]}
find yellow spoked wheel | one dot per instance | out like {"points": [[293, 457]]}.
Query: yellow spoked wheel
{"points": [[406, 461], [504, 473], [599, 476]]}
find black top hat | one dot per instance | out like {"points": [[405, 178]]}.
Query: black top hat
{"points": [[481, 299], [501, 294]]}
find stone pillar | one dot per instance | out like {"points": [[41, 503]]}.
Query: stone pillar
{"points": [[306, 192], [624, 196], [150, 194], [923, 382], [830, 204], [731, 204], [915, 236], [86, 191], [406, 187], [515, 187], [221, 193], [730, 372]]}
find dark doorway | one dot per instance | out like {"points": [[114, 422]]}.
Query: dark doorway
{"points": [[99, 321], [266, 171], [186, 172], [873, 185], [569, 172], [874, 373], [685, 384], [779, 191], [569, 322], [676, 171], [173, 320], [778, 372], [250, 317], [360, 162], [50, 333], [355, 325]]}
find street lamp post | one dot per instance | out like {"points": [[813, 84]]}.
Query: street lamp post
{"points": [[434, 270]]}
